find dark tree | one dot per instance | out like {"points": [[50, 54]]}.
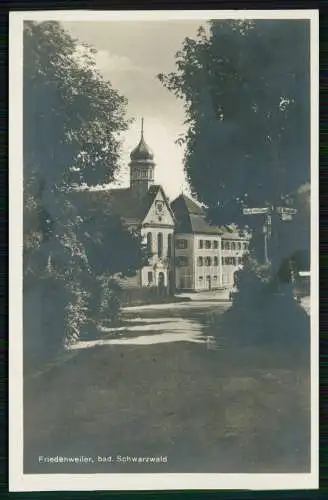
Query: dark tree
{"points": [[245, 86], [73, 119]]}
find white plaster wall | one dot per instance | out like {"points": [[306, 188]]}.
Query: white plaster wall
{"points": [[228, 270], [156, 271], [156, 264], [215, 272], [185, 273], [192, 273]]}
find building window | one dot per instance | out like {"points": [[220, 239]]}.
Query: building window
{"points": [[239, 245], [169, 245], [200, 244], [182, 261], [216, 261], [215, 278], [181, 244], [207, 244], [227, 245], [240, 261], [160, 245], [150, 276], [207, 261], [200, 261], [149, 243], [215, 244], [233, 246], [245, 245], [229, 261], [200, 278]]}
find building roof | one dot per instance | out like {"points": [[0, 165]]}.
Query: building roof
{"points": [[190, 217], [123, 202], [142, 152], [184, 205], [232, 233], [112, 201]]}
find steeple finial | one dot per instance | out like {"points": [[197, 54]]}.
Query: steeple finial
{"points": [[142, 151]]}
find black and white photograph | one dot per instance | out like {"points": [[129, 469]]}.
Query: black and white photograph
{"points": [[163, 250]]}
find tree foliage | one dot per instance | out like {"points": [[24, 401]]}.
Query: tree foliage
{"points": [[71, 114], [72, 121], [245, 87], [112, 247]]}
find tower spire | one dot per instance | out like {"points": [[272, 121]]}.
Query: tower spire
{"points": [[141, 165]]}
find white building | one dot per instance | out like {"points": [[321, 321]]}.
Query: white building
{"points": [[197, 248], [187, 253], [234, 246]]}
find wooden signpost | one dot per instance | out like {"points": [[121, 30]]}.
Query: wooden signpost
{"points": [[286, 213]]}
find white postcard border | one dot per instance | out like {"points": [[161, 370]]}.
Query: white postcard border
{"points": [[18, 481]]}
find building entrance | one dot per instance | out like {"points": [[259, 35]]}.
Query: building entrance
{"points": [[161, 279]]}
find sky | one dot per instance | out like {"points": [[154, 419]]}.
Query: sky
{"points": [[130, 54]]}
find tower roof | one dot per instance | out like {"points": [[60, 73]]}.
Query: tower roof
{"points": [[142, 152]]}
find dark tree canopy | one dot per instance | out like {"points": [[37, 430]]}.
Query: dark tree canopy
{"points": [[72, 116], [73, 119], [111, 247], [245, 87], [72, 122]]}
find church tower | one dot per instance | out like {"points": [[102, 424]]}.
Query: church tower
{"points": [[142, 166]]}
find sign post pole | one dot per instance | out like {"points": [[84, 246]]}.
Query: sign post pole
{"points": [[285, 213]]}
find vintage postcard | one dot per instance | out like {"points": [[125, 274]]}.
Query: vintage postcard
{"points": [[163, 250]]}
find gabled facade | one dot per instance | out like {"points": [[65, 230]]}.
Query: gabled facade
{"points": [[144, 206], [157, 229]]}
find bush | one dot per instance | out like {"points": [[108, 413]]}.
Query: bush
{"points": [[76, 313], [110, 300], [104, 301]]}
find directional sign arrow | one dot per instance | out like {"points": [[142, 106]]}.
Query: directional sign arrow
{"points": [[254, 211], [286, 210]]}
